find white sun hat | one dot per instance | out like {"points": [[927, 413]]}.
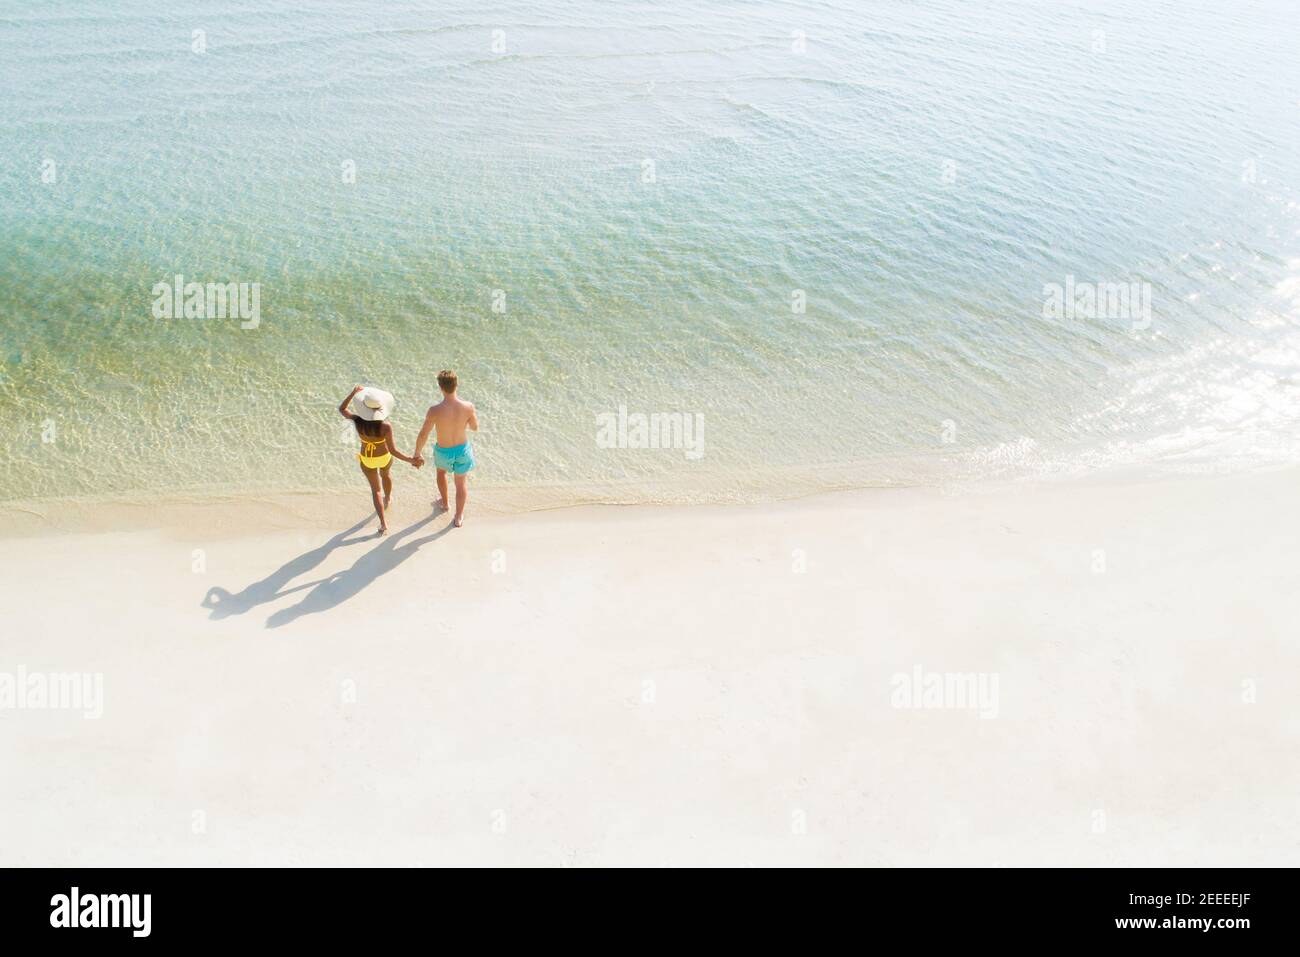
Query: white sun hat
{"points": [[373, 405]]}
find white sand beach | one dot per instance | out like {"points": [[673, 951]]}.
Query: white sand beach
{"points": [[644, 686]]}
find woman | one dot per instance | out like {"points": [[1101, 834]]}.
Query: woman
{"points": [[369, 413]]}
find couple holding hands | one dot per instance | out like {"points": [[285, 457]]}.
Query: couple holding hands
{"points": [[369, 409]]}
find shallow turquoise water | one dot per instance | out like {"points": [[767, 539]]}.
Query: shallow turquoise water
{"points": [[920, 171]]}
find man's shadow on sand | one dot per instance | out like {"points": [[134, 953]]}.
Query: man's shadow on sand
{"points": [[327, 592], [338, 588], [222, 604]]}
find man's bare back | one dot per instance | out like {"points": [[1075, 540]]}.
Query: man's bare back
{"points": [[452, 418]]}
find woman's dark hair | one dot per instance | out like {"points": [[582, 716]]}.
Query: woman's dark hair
{"points": [[367, 428]]}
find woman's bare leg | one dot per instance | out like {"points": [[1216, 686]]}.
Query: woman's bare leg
{"points": [[388, 484], [372, 476]]}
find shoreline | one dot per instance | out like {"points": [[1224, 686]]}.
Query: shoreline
{"points": [[235, 512], [647, 685], [245, 512]]}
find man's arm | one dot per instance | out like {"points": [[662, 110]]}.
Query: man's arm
{"points": [[473, 416], [424, 433]]}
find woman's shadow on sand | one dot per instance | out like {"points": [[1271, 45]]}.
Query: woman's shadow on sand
{"points": [[338, 588], [328, 592], [222, 604]]}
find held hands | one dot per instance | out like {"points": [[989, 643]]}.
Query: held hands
{"points": [[418, 461]]}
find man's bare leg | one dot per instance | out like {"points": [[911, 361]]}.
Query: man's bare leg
{"points": [[442, 490], [462, 496]]}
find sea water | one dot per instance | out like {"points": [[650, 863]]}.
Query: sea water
{"points": [[846, 242]]}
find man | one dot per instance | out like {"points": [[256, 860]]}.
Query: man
{"points": [[451, 417]]}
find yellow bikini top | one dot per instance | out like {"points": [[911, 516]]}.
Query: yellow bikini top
{"points": [[371, 447]]}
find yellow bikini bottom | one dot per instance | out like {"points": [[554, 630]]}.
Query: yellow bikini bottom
{"points": [[368, 458]]}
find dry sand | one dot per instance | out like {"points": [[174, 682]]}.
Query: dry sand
{"points": [[637, 685]]}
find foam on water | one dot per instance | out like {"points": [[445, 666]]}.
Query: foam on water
{"points": [[917, 171]]}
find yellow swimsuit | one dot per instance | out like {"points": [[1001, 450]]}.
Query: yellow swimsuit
{"points": [[370, 455]]}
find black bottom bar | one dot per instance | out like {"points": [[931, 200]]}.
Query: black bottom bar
{"points": [[337, 907]]}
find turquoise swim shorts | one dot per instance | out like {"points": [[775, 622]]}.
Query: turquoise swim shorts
{"points": [[458, 459]]}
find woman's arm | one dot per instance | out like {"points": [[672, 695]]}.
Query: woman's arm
{"points": [[392, 444], [343, 406]]}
